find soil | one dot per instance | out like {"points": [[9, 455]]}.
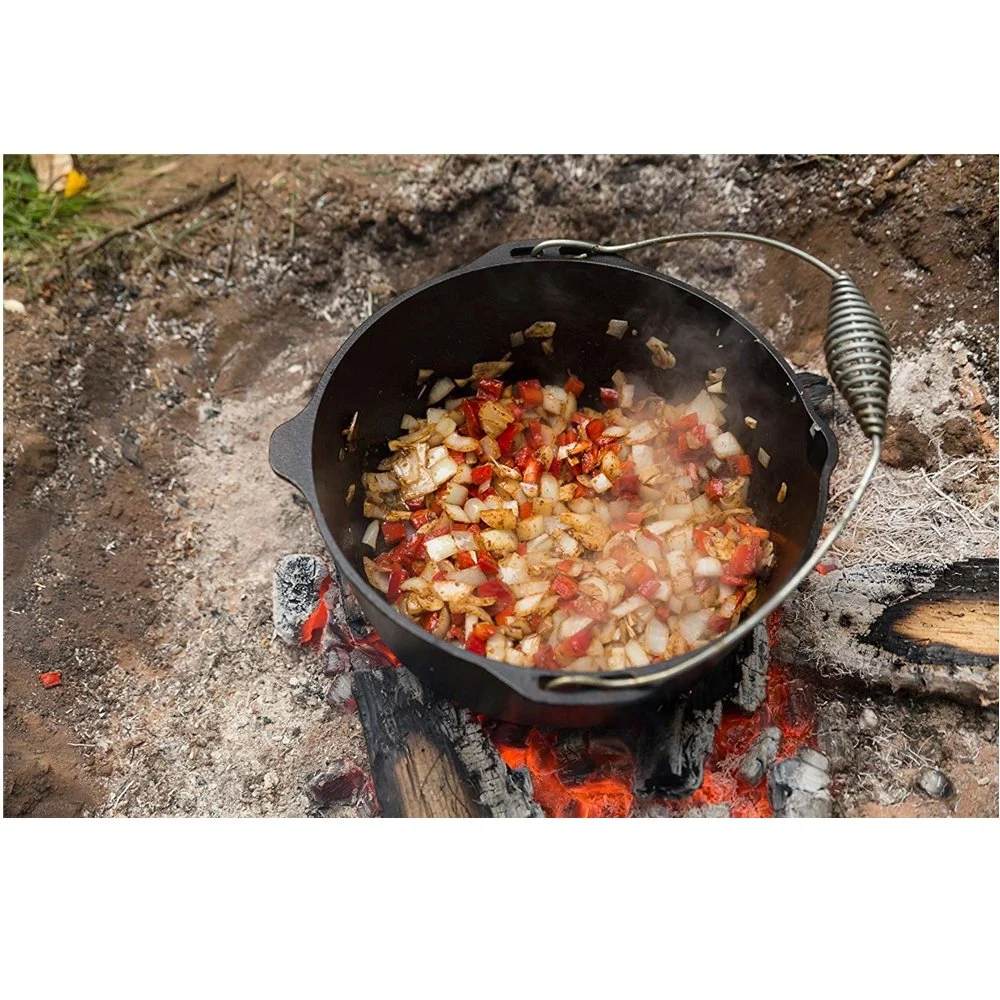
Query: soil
{"points": [[142, 522]]}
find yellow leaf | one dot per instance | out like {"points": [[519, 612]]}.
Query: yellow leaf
{"points": [[75, 183]]}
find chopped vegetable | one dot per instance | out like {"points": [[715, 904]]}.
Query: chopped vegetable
{"points": [[617, 328], [782, 492], [763, 457], [538, 532], [662, 357]]}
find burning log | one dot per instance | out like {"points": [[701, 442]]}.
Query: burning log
{"points": [[430, 758], [673, 745], [753, 661], [920, 628]]}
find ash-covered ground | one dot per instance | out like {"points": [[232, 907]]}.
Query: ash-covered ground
{"points": [[142, 522]]}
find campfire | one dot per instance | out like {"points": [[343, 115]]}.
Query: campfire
{"points": [[743, 744]]}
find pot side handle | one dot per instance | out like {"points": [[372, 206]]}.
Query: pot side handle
{"points": [[289, 451]]}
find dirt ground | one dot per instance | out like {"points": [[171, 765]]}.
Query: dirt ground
{"points": [[142, 522]]}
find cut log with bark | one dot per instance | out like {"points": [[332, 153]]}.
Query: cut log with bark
{"points": [[430, 758], [921, 628]]}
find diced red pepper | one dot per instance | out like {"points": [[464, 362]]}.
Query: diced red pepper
{"points": [[697, 437], [714, 489], [536, 620], [595, 428], [470, 407], [396, 578], [609, 397], [532, 471], [465, 560], [591, 459], [635, 517], [577, 644], [524, 510], [534, 434], [545, 659], [474, 528], [441, 529], [515, 410], [393, 531], [522, 549], [567, 566], [486, 491], [457, 632], [691, 471], [626, 485], [505, 442], [740, 465], [530, 392], [503, 599], [414, 504], [523, 457], [489, 388], [663, 612], [555, 467], [574, 385], [457, 456], [752, 531], [475, 645], [701, 537], [732, 580], [637, 574], [565, 586], [589, 607], [745, 558], [483, 630], [688, 421], [421, 517], [440, 575], [482, 474], [51, 678], [432, 620], [649, 589], [488, 564], [718, 623]]}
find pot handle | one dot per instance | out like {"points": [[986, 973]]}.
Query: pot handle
{"points": [[859, 361], [289, 451]]}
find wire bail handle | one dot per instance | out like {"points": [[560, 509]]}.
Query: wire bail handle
{"points": [[859, 361]]}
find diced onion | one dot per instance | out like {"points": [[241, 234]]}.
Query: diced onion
{"points": [[635, 655], [708, 566], [692, 626], [408, 422], [617, 328], [633, 603], [517, 339], [442, 547], [370, 537], [763, 457], [442, 471], [440, 389], [726, 446], [655, 637]]}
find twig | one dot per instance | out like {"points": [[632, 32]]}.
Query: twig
{"points": [[195, 201], [236, 222], [291, 228], [901, 164]]}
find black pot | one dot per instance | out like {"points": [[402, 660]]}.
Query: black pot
{"points": [[467, 315]]}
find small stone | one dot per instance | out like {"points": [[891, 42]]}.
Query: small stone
{"points": [[270, 780], [341, 783], [868, 720], [934, 783], [939, 409]]}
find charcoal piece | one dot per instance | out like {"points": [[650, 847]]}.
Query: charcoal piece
{"points": [[753, 659], [717, 811], [672, 747], [798, 787], [761, 755], [298, 579], [934, 783], [340, 692], [833, 735], [351, 615], [340, 784]]}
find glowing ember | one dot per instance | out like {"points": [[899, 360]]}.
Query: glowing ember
{"points": [[316, 622]]}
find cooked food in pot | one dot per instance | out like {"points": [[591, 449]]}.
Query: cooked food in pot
{"points": [[531, 530]]}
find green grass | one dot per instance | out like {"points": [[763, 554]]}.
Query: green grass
{"points": [[35, 222]]}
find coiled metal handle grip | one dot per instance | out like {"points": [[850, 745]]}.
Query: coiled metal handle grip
{"points": [[859, 362]]}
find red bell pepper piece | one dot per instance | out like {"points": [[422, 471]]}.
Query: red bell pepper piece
{"points": [[577, 644], [567, 566], [591, 459], [718, 623], [732, 580], [524, 510], [609, 397], [523, 457], [686, 423], [483, 630], [714, 489], [649, 589], [555, 467], [740, 465], [396, 578], [545, 659], [595, 428], [637, 574], [488, 564], [635, 517], [482, 474], [421, 517], [701, 537], [745, 558], [393, 531], [503, 599], [475, 645], [51, 678], [432, 620], [440, 575], [589, 607], [565, 586], [489, 388], [466, 560], [663, 612], [530, 392], [626, 485], [506, 440], [515, 411], [532, 471], [574, 385], [534, 434], [697, 438], [470, 407]]}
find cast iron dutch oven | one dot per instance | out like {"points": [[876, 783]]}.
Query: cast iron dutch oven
{"points": [[467, 315]]}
